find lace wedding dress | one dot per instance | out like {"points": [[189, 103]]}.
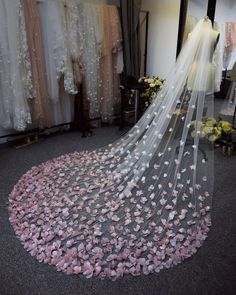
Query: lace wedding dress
{"points": [[136, 206], [15, 68], [90, 30], [56, 47], [41, 105], [58, 61], [110, 63]]}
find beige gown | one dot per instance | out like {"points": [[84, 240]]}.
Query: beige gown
{"points": [[110, 67], [34, 38]]}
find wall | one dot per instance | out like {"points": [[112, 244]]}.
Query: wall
{"points": [[162, 37], [225, 11], [197, 8]]}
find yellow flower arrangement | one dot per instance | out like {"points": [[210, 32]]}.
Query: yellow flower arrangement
{"points": [[213, 129], [155, 84]]}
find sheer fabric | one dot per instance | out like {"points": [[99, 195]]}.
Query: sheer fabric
{"points": [[58, 62], [110, 63], [55, 39], [73, 27], [33, 27], [230, 39], [138, 205], [219, 58], [190, 23], [90, 29], [95, 42], [230, 101], [15, 76]]}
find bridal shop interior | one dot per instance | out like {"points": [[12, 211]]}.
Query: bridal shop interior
{"points": [[117, 147]]}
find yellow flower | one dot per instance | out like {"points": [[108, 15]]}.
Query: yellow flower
{"points": [[210, 122], [206, 130]]}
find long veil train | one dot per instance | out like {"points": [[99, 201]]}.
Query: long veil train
{"points": [[138, 205]]}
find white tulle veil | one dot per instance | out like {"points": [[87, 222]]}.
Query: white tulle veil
{"points": [[140, 204]]}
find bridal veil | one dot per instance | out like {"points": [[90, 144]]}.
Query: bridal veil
{"points": [[136, 206]]}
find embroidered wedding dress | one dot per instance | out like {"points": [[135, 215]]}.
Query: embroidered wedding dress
{"points": [[15, 68], [136, 206], [90, 30], [41, 105], [230, 38], [111, 63], [58, 61]]}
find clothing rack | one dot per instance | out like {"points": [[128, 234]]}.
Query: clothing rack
{"points": [[33, 130], [36, 131]]}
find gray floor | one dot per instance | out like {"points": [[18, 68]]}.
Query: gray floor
{"points": [[211, 271]]}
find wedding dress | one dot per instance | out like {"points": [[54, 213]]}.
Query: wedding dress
{"points": [[15, 68], [90, 30], [111, 51], [219, 56], [34, 37], [58, 62], [136, 206], [73, 29], [95, 43], [230, 40], [56, 47]]}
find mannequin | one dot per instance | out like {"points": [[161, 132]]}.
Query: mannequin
{"points": [[211, 68]]}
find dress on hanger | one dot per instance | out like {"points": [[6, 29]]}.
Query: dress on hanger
{"points": [[58, 62], [136, 206], [73, 27], [111, 53], [218, 58], [33, 27], [230, 46], [15, 76], [90, 29]]}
